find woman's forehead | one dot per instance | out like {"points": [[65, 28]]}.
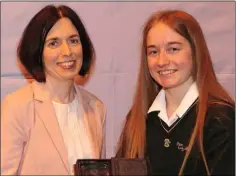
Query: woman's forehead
{"points": [[62, 28]]}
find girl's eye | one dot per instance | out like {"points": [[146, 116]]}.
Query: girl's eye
{"points": [[152, 53], [173, 50]]}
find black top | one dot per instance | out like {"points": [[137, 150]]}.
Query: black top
{"points": [[166, 146]]}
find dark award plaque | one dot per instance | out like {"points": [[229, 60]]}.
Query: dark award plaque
{"points": [[93, 167], [111, 167]]}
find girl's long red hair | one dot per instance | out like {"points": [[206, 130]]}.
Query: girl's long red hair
{"points": [[132, 140]]}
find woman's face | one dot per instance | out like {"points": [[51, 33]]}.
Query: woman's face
{"points": [[169, 57], [62, 54]]}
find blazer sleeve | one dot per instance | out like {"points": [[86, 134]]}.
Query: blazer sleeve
{"points": [[13, 137], [219, 142], [103, 115]]}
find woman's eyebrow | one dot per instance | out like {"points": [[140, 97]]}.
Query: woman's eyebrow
{"points": [[53, 38], [74, 35], [56, 38]]}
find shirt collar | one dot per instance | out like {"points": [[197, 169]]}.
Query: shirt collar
{"points": [[189, 98], [159, 104]]}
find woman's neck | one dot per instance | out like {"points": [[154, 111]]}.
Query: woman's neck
{"points": [[61, 91]]}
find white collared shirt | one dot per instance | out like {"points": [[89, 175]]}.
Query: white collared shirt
{"points": [[159, 104], [73, 131]]}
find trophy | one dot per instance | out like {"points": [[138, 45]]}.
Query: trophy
{"points": [[111, 167]]}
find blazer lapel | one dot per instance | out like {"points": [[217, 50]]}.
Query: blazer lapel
{"points": [[90, 122], [91, 127], [45, 111]]}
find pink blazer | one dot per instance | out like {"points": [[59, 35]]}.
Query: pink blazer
{"points": [[31, 140]]}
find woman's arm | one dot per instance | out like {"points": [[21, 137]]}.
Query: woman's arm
{"points": [[103, 155], [12, 137]]}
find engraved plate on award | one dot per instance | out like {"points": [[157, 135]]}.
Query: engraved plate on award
{"points": [[93, 167], [111, 167]]}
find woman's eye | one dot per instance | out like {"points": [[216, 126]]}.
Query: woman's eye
{"points": [[53, 44], [74, 41]]}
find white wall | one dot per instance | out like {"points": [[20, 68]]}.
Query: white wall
{"points": [[115, 29]]}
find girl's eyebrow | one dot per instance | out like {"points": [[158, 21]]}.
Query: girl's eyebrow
{"points": [[174, 42], [168, 43], [151, 46]]}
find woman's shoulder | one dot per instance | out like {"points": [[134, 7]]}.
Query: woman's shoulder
{"points": [[20, 96], [92, 98], [94, 102], [16, 106]]}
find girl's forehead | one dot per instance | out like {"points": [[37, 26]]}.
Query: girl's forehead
{"points": [[161, 34]]}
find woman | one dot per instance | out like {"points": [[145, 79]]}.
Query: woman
{"points": [[49, 124], [181, 119]]}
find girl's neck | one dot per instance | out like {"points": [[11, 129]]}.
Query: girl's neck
{"points": [[174, 96]]}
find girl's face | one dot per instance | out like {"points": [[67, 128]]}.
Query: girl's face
{"points": [[169, 57]]}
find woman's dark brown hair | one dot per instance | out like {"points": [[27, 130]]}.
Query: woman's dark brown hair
{"points": [[31, 45]]}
